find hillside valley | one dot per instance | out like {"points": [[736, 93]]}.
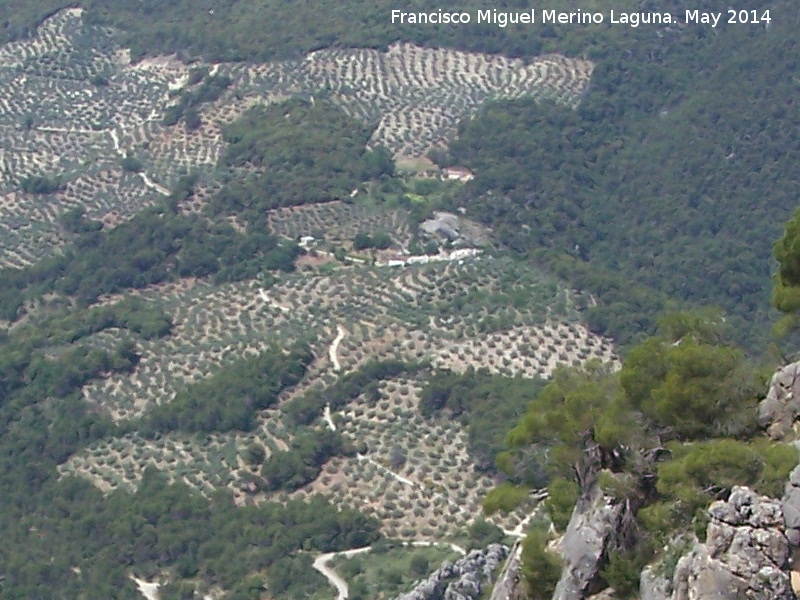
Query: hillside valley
{"points": [[323, 311]]}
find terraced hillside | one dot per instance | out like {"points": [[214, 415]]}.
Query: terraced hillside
{"points": [[447, 313], [73, 107], [260, 317], [84, 127]]}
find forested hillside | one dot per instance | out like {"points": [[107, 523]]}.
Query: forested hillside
{"points": [[675, 174], [260, 31], [236, 334]]}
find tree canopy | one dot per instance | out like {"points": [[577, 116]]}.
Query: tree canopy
{"points": [[293, 153], [656, 436], [665, 187], [156, 245]]}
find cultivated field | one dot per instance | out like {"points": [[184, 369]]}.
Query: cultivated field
{"points": [[486, 312], [72, 106], [76, 112]]}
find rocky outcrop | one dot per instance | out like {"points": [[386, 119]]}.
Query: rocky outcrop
{"points": [[594, 520], [745, 556], [791, 508], [779, 410], [462, 580], [653, 586], [606, 594], [508, 578]]}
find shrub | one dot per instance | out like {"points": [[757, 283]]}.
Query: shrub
{"points": [[255, 454], [561, 499], [779, 460], [419, 565], [540, 567], [41, 184], [659, 519], [697, 387], [131, 164], [231, 397], [505, 497], [192, 120], [482, 533], [616, 485], [700, 471], [623, 570]]}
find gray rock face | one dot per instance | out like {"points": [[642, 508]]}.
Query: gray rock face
{"points": [[593, 521], [791, 508], [654, 587], [778, 411], [606, 594], [745, 554], [508, 579], [471, 573]]}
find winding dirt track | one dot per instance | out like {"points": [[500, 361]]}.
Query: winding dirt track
{"points": [[147, 589], [333, 351], [321, 563]]}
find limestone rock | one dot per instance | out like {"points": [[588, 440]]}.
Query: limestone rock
{"points": [[791, 508], [471, 573], [745, 554], [593, 521], [606, 594], [653, 586], [778, 411]]}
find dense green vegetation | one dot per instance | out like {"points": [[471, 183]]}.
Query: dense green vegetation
{"points": [[389, 569], [786, 284], [541, 567], [165, 526], [20, 17], [692, 390], [59, 327], [305, 409], [231, 397], [379, 240], [302, 153], [562, 493], [247, 30], [486, 404], [699, 473], [43, 365], [665, 186], [47, 357], [294, 577], [482, 533], [74, 220], [40, 184], [652, 190], [303, 461], [657, 436], [673, 175], [505, 497], [65, 539], [211, 88], [154, 246], [579, 404]]}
